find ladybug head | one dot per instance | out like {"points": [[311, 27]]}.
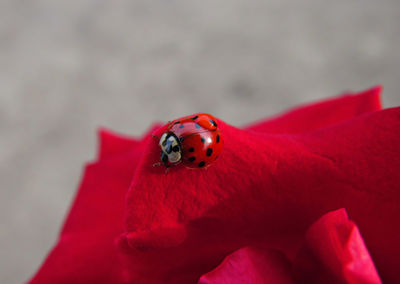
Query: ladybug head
{"points": [[171, 151]]}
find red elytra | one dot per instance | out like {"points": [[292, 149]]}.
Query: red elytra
{"points": [[194, 140]]}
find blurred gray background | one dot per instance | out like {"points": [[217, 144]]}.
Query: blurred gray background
{"points": [[68, 67]]}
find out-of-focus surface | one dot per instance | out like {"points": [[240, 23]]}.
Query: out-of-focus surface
{"points": [[67, 67]]}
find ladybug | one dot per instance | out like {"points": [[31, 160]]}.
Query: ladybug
{"points": [[195, 141]]}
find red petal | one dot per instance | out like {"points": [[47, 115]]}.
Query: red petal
{"points": [[335, 253], [322, 114], [268, 187], [81, 259], [251, 265], [112, 144], [86, 252]]}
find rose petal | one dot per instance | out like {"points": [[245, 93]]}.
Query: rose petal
{"points": [[251, 265], [81, 259], [268, 187], [112, 144], [335, 252], [322, 114], [86, 252]]}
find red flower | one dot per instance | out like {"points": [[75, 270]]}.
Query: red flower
{"points": [[253, 206]]}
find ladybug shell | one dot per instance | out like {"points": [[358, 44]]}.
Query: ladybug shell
{"points": [[201, 141]]}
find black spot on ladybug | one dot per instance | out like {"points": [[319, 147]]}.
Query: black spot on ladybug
{"points": [[175, 148], [217, 138], [195, 117], [192, 159], [201, 164], [209, 152], [203, 140], [213, 123], [177, 122], [197, 125], [191, 149], [181, 126]]}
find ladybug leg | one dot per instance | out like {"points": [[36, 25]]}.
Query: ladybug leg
{"points": [[166, 171], [157, 164]]}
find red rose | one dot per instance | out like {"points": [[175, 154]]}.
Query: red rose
{"points": [[267, 211]]}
